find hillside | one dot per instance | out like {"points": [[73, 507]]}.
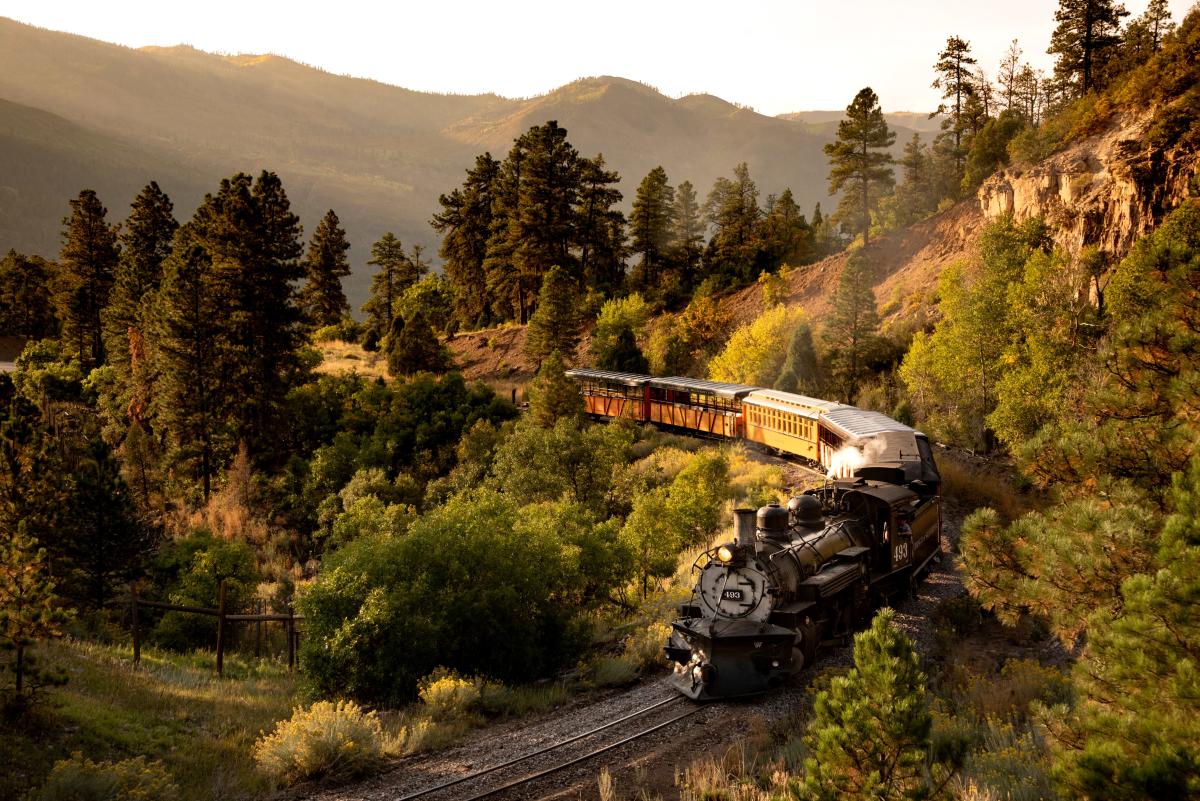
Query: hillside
{"points": [[380, 155]]}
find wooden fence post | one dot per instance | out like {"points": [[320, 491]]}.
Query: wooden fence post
{"points": [[258, 631], [221, 631], [291, 638], [137, 635]]}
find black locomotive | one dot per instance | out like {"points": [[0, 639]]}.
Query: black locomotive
{"points": [[798, 576]]}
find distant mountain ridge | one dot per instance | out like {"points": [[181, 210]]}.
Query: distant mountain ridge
{"points": [[379, 155]]}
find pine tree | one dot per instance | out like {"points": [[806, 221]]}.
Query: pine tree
{"points": [[191, 350], [917, 195], [732, 210], [553, 396], [957, 81], [555, 324], [26, 302], [650, 226], [88, 263], [30, 611], [801, 371], [1010, 67], [1086, 38], [325, 265], [624, 355], [411, 347], [687, 235], [785, 235], [101, 541], [860, 166], [852, 333], [252, 241], [1157, 18], [145, 244], [397, 272], [466, 224], [600, 229], [870, 732]]}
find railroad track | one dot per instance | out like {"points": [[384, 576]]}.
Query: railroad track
{"points": [[475, 783]]}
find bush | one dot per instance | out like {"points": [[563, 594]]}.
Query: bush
{"points": [[346, 331], [330, 740], [447, 695], [79, 779], [461, 589]]}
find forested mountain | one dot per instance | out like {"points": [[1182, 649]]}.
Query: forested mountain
{"points": [[378, 154]]}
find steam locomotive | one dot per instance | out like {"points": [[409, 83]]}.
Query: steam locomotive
{"points": [[796, 576]]}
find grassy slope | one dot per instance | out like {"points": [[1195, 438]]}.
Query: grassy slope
{"points": [[173, 708]]}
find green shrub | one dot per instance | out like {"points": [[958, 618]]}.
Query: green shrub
{"points": [[79, 779], [194, 568], [330, 740], [462, 589], [346, 331]]}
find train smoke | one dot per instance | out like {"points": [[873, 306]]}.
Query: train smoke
{"points": [[845, 462]]}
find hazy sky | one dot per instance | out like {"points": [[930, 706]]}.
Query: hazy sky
{"points": [[772, 55]]}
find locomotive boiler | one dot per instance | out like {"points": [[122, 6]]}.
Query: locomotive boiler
{"points": [[795, 577]]}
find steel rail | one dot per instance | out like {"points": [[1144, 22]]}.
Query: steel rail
{"points": [[542, 773], [540, 751]]}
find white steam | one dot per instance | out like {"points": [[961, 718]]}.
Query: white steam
{"points": [[845, 462]]}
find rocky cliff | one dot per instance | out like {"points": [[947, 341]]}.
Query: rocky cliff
{"points": [[1107, 190]]}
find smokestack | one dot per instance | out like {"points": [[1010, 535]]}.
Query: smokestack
{"points": [[743, 526]]}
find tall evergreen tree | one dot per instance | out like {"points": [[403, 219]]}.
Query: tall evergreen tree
{"points": [[145, 244], [650, 226], [88, 263], [801, 371], [252, 240], [1010, 67], [732, 210], [600, 234], [26, 302], [325, 265], [465, 223], [555, 324], [860, 166], [957, 82], [917, 195], [870, 732], [1157, 19], [852, 332], [397, 272], [687, 235], [191, 352], [786, 237], [1086, 38]]}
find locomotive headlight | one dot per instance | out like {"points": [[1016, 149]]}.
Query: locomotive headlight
{"points": [[725, 554]]}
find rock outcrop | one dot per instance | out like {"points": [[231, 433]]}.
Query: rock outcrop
{"points": [[1107, 190]]}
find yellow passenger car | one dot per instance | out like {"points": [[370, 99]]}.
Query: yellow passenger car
{"points": [[785, 422]]}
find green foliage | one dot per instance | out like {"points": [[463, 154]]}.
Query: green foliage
{"points": [[870, 732], [345, 330], [630, 313], [756, 352], [397, 272], [1133, 421], [335, 741], [79, 779], [801, 372], [1136, 731], [325, 265], [569, 459], [555, 324], [989, 148], [859, 163], [851, 335], [553, 396], [192, 570], [1085, 40], [466, 223], [684, 514], [462, 589], [999, 325], [29, 612], [733, 212], [26, 303], [433, 296], [88, 263], [650, 227], [412, 347]]}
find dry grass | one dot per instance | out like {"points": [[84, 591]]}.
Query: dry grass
{"points": [[982, 485], [339, 357]]}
